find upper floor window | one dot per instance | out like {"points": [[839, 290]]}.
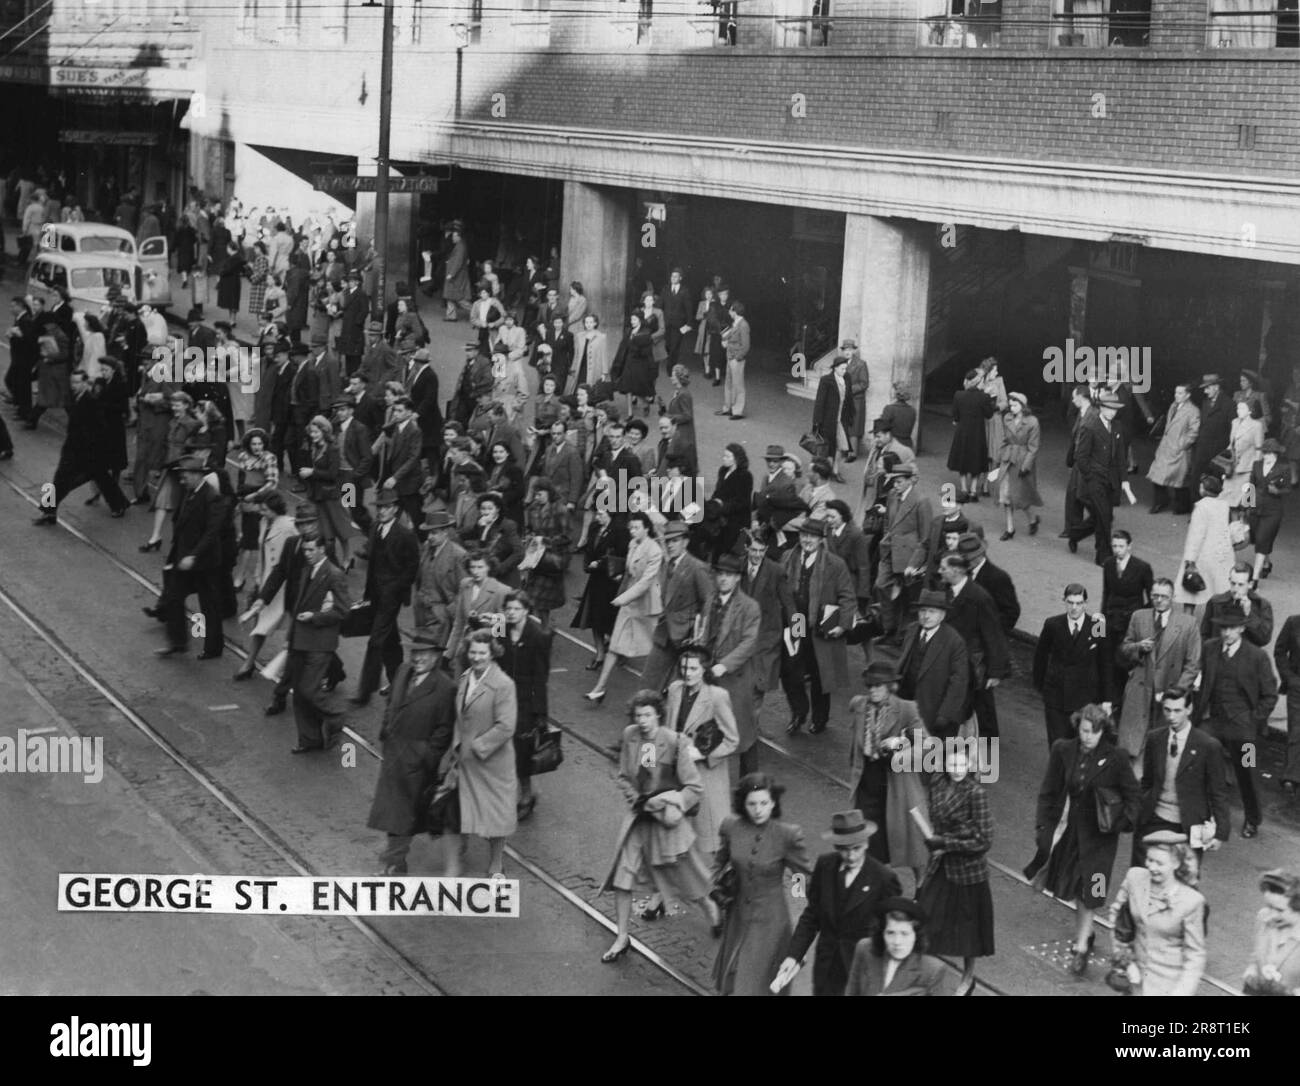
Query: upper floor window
{"points": [[533, 24], [334, 20], [1097, 23], [634, 29], [802, 23], [961, 24], [408, 22], [1254, 24]]}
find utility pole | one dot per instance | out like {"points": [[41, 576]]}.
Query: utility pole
{"points": [[381, 178]]}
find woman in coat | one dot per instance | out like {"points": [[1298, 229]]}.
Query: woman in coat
{"points": [[1208, 546], [324, 490], [1275, 960], [604, 556], [547, 409], [153, 404], [258, 476], [639, 601], [486, 781], [759, 848], [577, 309], [590, 352], [634, 368], [1017, 464], [277, 528], [546, 533], [893, 962], [702, 308], [1252, 392], [114, 403], [701, 712], [1168, 918], [652, 316], [1270, 478], [181, 429], [526, 660], [507, 480], [1245, 440], [955, 893], [886, 741], [900, 416], [1083, 774], [969, 453], [1173, 459], [660, 783], [735, 493], [833, 413], [258, 275], [681, 405], [418, 729], [230, 281], [995, 388]]}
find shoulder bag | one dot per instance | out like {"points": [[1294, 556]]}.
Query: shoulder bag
{"points": [[1110, 810], [547, 755]]}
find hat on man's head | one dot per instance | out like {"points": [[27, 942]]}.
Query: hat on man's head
{"points": [[191, 463], [931, 598], [1112, 403], [437, 520], [403, 289], [319, 339], [375, 328], [1232, 615], [774, 452], [970, 545], [299, 350], [882, 426], [955, 522], [1208, 379], [880, 673], [353, 273], [848, 343], [1272, 445], [387, 496], [343, 402], [813, 526], [675, 529], [729, 563], [305, 513], [283, 346], [423, 639], [905, 471], [849, 828], [193, 315]]}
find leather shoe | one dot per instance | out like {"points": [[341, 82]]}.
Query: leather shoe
{"points": [[170, 650], [209, 656], [1250, 829], [300, 749], [795, 726], [721, 413], [1065, 534], [274, 709], [1074, 546], [817, 729]]}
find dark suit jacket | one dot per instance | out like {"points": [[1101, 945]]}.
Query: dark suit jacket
{"points": [[1071, 672], [402, 459], [196, 528], [1258, 686], [777, 501], [320, 633], [564, 470], [502, 542], [1286, 655], [686, 590], [1200, 783], [839, 918], [772, 592], [392, 564], [1121, 596], [1215, 432], [997, 582], [1099, 457], [678, 309], [852, 547], [352, 334], [973, 615], [941, 689], [424, 397], [528, 663], [329, 379], [282, 380], [1259, 623], [305, 390], [356, 449]]}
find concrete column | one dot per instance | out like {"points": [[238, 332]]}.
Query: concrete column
{"points": [[884, 302], [595, 249]]}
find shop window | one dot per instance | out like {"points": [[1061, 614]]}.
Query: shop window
{"points": [[961, 24], [802, 23], [532, 24], [1092, 24], [334, 21], [634, 29], [1254, 24]]}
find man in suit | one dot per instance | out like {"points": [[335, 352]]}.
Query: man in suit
{"points": [[1217, 413], [402, 459], [563, 467], [678, 315], [902, 552], [304, 395], [993, 579], [84, 455], [1082, 410], [1286, 655], [845, 540], [329, 379], [777, 501], [439, 576], [356, 461], [845, 890], [316, 604], [1161, 649], [824, 606], [422, 386], [1071, 664], [1183, 782], [194, 564], [763, 580], [381, 362], [972, 614], [1238, 692], [526, 659], [1099, 459], [392, 562], [735, 340], [419, 723], [281, 420], [354, 316], [686, 588], [934, 670], [1258, 611], [858, 379], [1125, 588], [728, 627]]}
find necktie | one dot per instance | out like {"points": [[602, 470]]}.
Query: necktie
{"points": [[1173, 744], [849, 874]]}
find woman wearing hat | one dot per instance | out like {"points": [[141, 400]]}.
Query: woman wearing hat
{"points": [[833, 413], [634, 370], [968, 455], [324, 491], [259, 475], [1275, 961], [992, 385], [1244, 442], [661, 785], [1165, 919], [1085, 775], [900, 416], [1270, 478], [893, 962], [955, 891], [1208, 547], [180, 435], [1252, 391], [506, 478], [1017, 464], [639, 601], [546, 536], [887, 737], [759, 848]]}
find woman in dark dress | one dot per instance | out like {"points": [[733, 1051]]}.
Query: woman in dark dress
{"points": [[634, 367], [1270, 478], [230, 281], [833, 413], [955, 893], [186, 248], [969, 454], [735, 493], [505, 477], [604, 553], [1082, 857], [114, 402], [324, 491], [212, 434]]}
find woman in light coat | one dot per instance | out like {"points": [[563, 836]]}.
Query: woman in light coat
{"points": [[1016, 463], [591, 360], [1208, 546], [276, 530], [484, 754], [1245, 440], [577, 312], [991, 383], [639, 601], [709, 723], [1173, 460]]}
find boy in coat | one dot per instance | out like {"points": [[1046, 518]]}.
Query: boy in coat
{"points": [[844, 893], [418, 725]]}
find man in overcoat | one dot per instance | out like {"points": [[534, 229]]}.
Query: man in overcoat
{"points": [[686, 588], [351, 342], [316, 606], [83, 456], [1173, 459], [194, 563], [763, 580], [1217, 413], [392, 562], [419, 722], [1161, 649], [438, 580], [972, 614], [1071, 664], [902, 546], [729, 626], [934, 670], [1125, 588]]}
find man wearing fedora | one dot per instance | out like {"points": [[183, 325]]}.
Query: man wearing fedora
{"points": [[455, 284], [686, 588], [908, 517], [972, 614], [356, 461], [329, 378], [401, 448], [422, 386], [419, 723], [1099, 460], [934, 670], [728, 627], [777, 501], [194, 563], [763, 581], [351, 342], [1169, 471], [439, 576], [381, 363], [824, 608], [304, 393], [316, 604], [844, 891], [995, 580], [1238, 692], [1241, 594], [1214, 435], [392, 562], [1072, 667], [280, 417], [858, 379], [883, 453]]}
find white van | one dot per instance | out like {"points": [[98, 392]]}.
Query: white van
{"points": [[87, 258]]}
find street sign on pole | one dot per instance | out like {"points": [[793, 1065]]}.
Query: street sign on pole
{"points": [[335, 184]]}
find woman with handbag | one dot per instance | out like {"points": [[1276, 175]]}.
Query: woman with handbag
{"points": [[259, 475], [604, 556], [324, 491], [1016, 472], [1270, 478], [1207, 551], [546, 550], [833, 415], [1165, 916], [755, 850], [1090, 783], [1245, 440], [526, 659], [639, 601], [661, 785]]}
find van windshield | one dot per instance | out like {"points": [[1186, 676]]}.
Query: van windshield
{"points": [[100, 278], [91, 243]]}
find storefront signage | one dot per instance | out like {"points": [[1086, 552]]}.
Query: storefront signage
{"points": [[127, 82], [336, 183], [23, 73], [109, 138]]}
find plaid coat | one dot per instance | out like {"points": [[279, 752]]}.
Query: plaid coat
{"points": [[963, 831]]}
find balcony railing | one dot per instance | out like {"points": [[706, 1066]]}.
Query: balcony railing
{"points": [[962, 31]]}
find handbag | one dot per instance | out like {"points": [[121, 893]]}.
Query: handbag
{"points": [[874, 520], [814, 444], [707, 737], [615, 566], [1192, 580], [1110, 810], [1223, 462], [547, 753], [359, 620], [726, 888]]}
